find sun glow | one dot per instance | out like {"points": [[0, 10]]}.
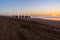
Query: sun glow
{"points": [[54, 15]]}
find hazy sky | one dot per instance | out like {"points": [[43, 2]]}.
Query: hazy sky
{"points": [[30, 7]]}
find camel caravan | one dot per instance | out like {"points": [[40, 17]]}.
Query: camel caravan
{"points": [[15, 16]]}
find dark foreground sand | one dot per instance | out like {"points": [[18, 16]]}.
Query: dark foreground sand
{"points": [[28, 29]]}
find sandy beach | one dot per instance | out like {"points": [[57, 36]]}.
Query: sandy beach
{"points": [[28, 29]]}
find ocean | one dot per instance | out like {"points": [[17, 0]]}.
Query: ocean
{"points": [[48, 17]]}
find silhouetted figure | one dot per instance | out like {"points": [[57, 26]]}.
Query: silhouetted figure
{"points": [[16, 16], [29, 17], [12, 16], [26, 16], [22, 16]]}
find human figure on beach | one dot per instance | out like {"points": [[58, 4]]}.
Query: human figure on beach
{"points": [[15, 16]]}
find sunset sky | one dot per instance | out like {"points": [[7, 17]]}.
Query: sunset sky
{"points": [[30, 7]]}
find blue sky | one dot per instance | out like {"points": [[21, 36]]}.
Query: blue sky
{"points": [[29, 5]]}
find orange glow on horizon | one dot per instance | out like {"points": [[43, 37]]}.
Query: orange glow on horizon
{"points": [[34, 13]]}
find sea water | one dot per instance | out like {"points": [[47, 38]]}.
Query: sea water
{"points": [[48, 17]]}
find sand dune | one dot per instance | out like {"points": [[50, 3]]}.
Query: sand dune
{"points": [[28, 29]]}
